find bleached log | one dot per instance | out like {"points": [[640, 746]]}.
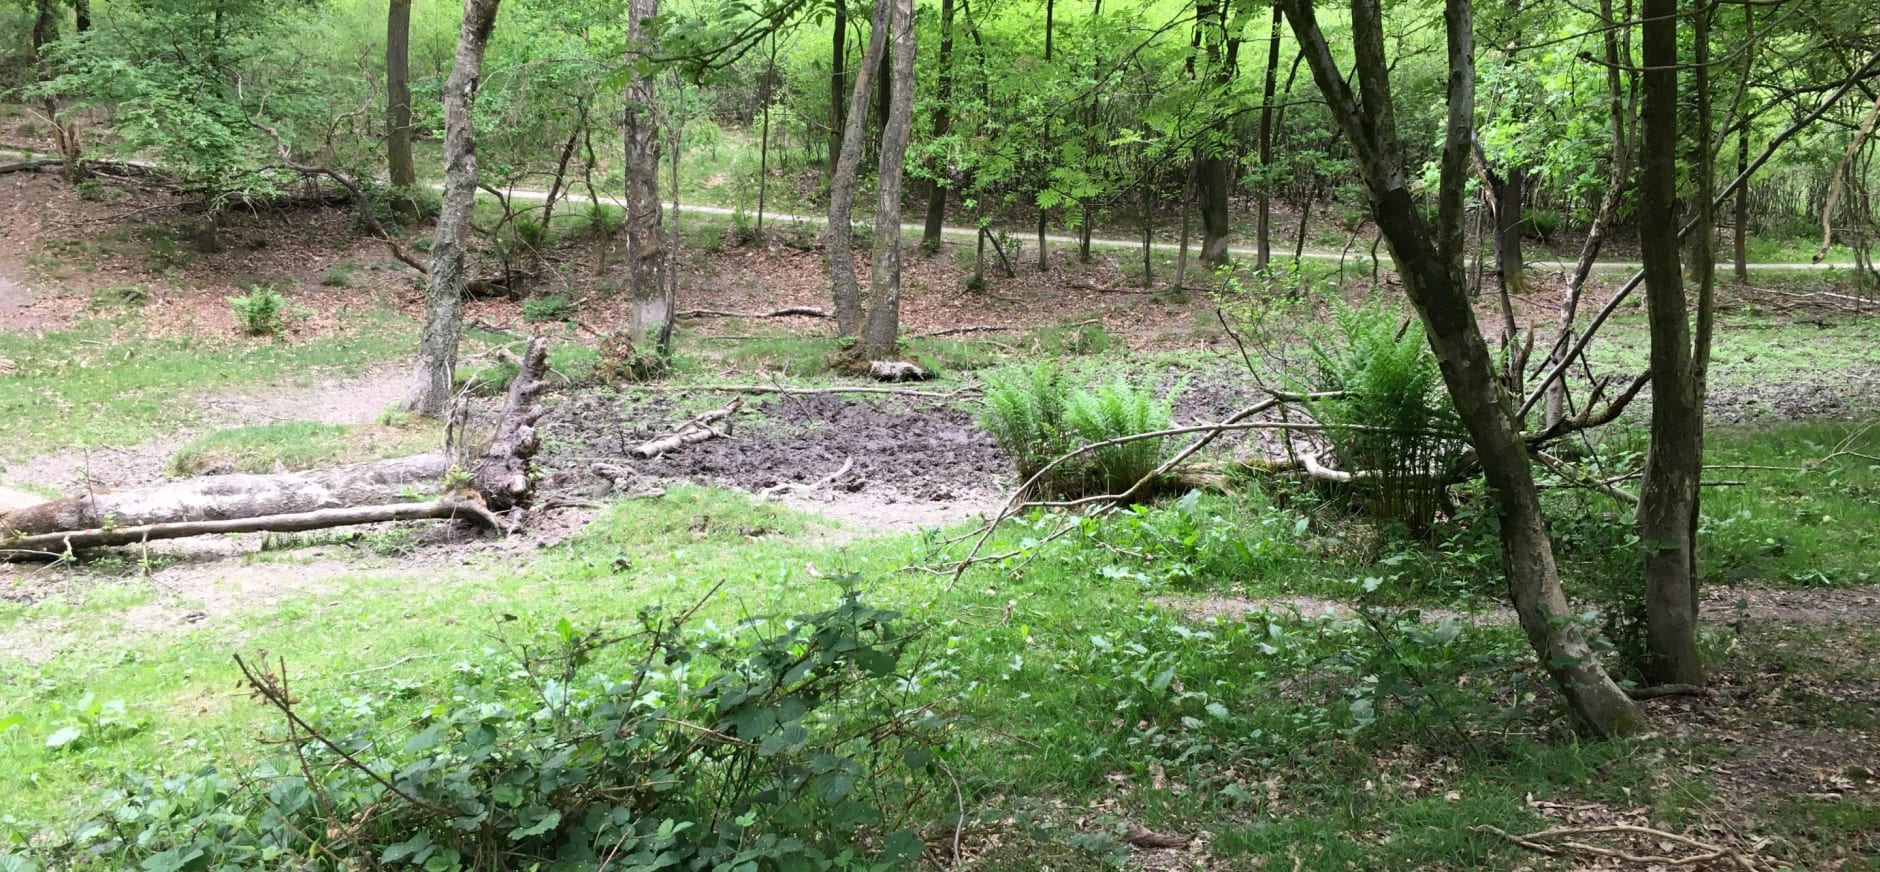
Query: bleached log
{"points": [[74, 540], [692, 432]]}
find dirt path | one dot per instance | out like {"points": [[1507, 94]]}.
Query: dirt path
{"points": [[357, 400]]}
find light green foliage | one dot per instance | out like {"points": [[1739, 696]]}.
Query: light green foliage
{"points": [[711, 747], [1024, 412], [259, 311], [291, 446], [1115, 409], [549, 307], [1393, 421]]}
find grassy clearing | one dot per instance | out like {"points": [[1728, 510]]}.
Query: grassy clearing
{"points": [[106, 382], [1081, 697], [290, 446]]}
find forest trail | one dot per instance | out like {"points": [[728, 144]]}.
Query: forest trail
{"points": [[1355, 254]]}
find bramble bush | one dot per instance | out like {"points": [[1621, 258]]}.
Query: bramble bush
{"points": [[774, 745]]}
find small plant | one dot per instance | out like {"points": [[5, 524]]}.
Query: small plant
{"points": [[1540, 224], [1025, 415], [339, 275], [1112, 411], [550, 307], [259, 311]]}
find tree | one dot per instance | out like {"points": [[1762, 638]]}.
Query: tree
{"points": [[1214, 179], [1429, 262], [436, 361], [400, 169], [1263, 220], [649, 325], [879, 335], [838, 85], [942, 125], [840, 249], [1668, 494]]}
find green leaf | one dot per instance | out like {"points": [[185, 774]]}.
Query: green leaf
{"points": [[64, 737], [544, 824], [413, 848], [10, 863]]}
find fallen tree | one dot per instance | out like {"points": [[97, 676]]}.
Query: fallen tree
{"points": [[472, 485]]}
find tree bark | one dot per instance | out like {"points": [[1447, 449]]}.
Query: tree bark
{"points": [[840, 249], [649, 252], [1667, 508], [1213, 171], [401, 170], [81, 15], [838, 87], [1263, 220], [1441, 299], [880, 335], [942, 125], [45, 25], [443, 296], [1741, 230]]}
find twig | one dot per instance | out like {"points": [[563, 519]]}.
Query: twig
{"points": [[778, 389], [1533, 842], [785, 312], [392, 665], [825, 481]]}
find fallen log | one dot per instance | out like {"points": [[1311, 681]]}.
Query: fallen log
{"points": [[692, 432], [895, 371], [66, 541], [454, 484], [785, 312]]}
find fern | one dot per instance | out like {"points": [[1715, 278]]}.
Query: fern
{"points": [[1025, 414], [1115, 410]]}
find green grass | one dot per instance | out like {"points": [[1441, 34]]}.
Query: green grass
{"points": [[105, 382], [1751, 348], [290, 446]]}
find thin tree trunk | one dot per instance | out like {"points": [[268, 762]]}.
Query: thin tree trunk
{"points": [[880, 336], [1181, 253], [401, 170], [1668, 492], [763, 146], [1213, 178], [81, 15], [443, 296], [1741, 230], [45, 26], [1263, 219], [840, 250], [838, 86], [1441, 298], [1044, 251], [942, 126], [649, 323]]}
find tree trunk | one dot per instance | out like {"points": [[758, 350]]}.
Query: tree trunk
{"points": [[1510, 267], [45, 25], [942, 125], [443, 296], [1668, 493], [879, 337], [1263, 220], [840, 249], [1741, 230], [838, 87], [1044, 248], [649, 321], [1441, 299], [1213, 172], [400, 168], [81, 15]]}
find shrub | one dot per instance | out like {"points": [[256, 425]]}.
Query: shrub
{"points": [[339, 275], [1114, 410], [1025, 415], [660, 747], [259, 311], [1540, 224], [1394, 422], [552, 307]]}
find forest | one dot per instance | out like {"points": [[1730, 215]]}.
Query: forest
{"points": [[778, 435]]}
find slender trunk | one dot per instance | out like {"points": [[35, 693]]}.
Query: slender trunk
{"points": [[443, 297], [401, 170], [649, 321], [1263, 218], [1044, 252], [838, 84], [763, 146], [1181, 253], [1741, 230], [1213, 175], [942, 125], [840, 249], [880, 336], [1148, 233], [45, 25], [1442, 300], [1668, 492], [1510, 267]]}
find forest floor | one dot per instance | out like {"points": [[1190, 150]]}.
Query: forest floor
{"points": [[128, 356]]}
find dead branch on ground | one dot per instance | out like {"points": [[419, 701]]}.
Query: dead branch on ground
{"points": [[692, 432], [799, 392], [786, 312], [1706, 852]]}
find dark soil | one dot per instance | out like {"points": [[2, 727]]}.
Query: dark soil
{"points": [[902, 448]]}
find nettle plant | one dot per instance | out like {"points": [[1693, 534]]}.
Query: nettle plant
{"points": [[773, 745]]}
